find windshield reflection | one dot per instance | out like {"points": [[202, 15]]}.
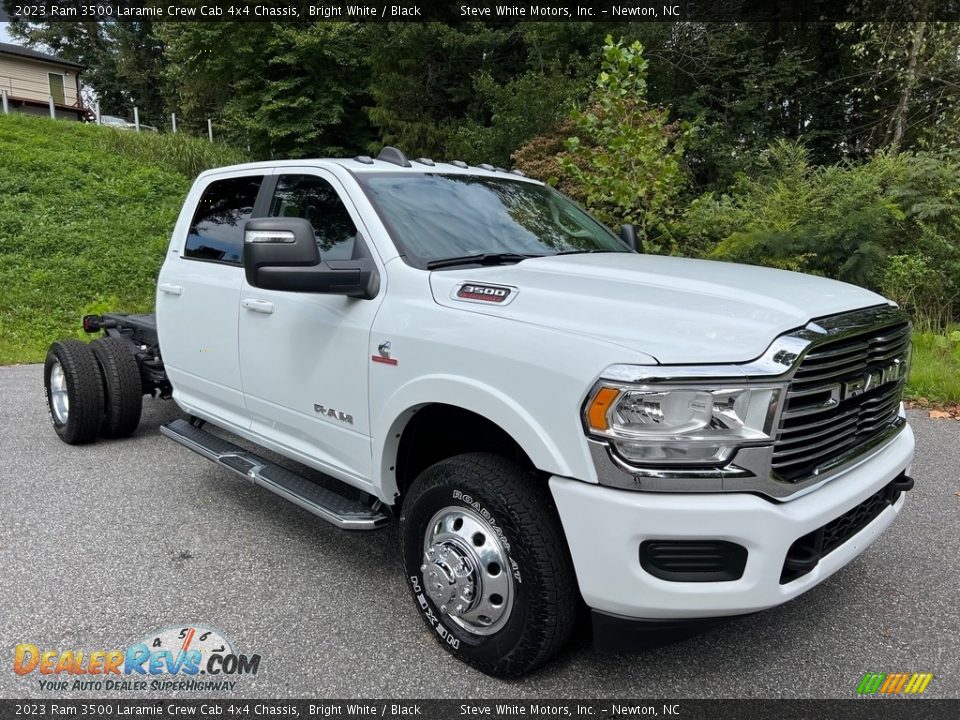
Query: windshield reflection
{"points": [[433, 216]]}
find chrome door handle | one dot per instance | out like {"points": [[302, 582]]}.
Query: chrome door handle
{"points": [[260, 306], [170, 289]]}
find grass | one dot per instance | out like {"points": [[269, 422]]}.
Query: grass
{"points": [[935, 372], [85, 216]]}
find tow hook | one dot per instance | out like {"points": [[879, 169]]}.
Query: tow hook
{"points": [[903, 483]]}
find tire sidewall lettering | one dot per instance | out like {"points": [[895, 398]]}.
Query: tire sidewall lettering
{"points": [[477, 507], [431, 617]]}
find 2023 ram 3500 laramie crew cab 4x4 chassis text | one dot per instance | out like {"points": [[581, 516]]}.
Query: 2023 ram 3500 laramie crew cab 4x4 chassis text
{"points": [[554, 418]]}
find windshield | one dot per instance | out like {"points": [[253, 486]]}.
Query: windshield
{"points": [[435, 217]]}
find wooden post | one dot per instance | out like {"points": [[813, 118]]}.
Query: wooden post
{"points": [[210, 129], [6, 106], [136, 118], [98, 113], [173, 122], [53, 109]]}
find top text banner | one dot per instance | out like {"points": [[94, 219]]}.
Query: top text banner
{"points": [[453, 12]]}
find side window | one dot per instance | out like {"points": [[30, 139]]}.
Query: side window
{"points": [[313, 198], [216, 232]]}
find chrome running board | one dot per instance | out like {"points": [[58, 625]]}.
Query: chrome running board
{"points": [[344, 512]]}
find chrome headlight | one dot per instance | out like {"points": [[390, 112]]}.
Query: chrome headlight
{"points": [[685, 424]]}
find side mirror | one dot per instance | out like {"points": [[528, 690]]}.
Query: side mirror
{"points": [[628, 233], [281, 254]]}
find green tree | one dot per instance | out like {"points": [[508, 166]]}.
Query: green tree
{"points": [[556, 63], [284, 89], [625, 159], [518, 110], [140, 61], [421, 79], [909, 84], [203, 61], [748, 84], [307, 95]]}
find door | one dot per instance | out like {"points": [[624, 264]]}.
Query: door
{"points": [[198, 297], [56, 88], [305, 357]]}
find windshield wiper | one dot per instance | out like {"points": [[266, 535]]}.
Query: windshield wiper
{"points": [[480, 259], [582, 252]]}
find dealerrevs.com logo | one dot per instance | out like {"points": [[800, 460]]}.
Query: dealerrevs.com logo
{"points": [[182, 658], [894, 684]]}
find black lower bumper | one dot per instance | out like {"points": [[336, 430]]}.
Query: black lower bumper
{"points": [[619, 634], [807, 552]]}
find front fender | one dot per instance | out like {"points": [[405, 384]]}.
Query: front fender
{"points": [[489, 402]]}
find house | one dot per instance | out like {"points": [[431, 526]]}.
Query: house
{"points": [[29, 79]]}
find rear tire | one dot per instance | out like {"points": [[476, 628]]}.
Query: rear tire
{"points": [[487, 563], [122, 389], [74, 389]]}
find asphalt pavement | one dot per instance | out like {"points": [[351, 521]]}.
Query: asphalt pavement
{"points": [[102, 545]]}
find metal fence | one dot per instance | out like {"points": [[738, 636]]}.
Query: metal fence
{"points": [[7, 98]]}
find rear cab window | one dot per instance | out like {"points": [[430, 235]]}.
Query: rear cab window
{"points": [[216, 230]]}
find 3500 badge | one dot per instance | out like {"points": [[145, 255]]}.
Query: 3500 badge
{"points": [[483, 293]]}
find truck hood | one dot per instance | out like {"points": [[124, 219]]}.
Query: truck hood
{"points": [[674, 309]]}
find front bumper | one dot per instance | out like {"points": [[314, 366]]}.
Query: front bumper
{"points": [[605, 527]]}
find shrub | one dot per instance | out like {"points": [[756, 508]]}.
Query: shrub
{"points": [[912, 281], [891, 224]]}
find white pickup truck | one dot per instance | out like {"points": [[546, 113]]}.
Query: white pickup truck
{"points": [[558, 421]]}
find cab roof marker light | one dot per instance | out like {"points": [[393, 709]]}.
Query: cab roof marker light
{"points": [[365, 159], [459, 164]]}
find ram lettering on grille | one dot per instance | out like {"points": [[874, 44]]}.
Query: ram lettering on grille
{"points": [[844, 393]]}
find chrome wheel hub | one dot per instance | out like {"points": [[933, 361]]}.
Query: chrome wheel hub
{"points": [[59, 400], [466, 571]]}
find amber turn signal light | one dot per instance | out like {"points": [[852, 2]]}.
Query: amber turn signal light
{"points": [[599, 405]]}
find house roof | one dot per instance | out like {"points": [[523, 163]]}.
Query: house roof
{"points": [[19, 51]]}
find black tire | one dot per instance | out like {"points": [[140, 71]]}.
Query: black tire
{"points": [[83, 391], [122, 389], [544, 595]]}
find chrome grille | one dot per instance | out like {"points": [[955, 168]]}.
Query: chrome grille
{"points": [[845, 392]]}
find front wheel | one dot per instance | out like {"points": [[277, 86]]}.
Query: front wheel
{"points": [[487, 563]]}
